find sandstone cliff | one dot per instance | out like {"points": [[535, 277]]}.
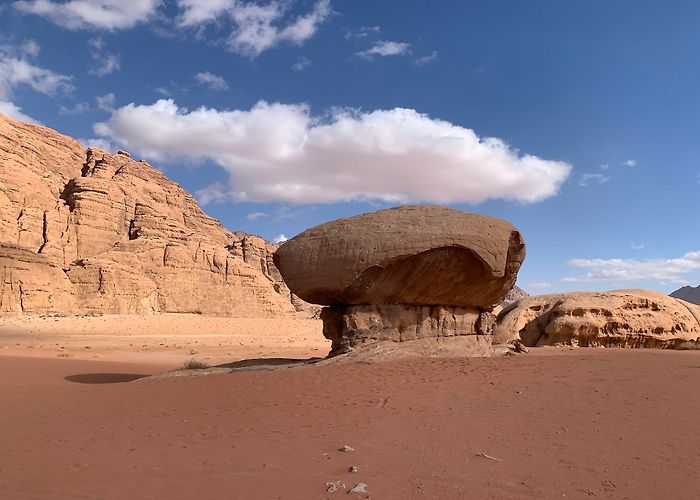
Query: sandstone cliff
{"points": [[92, 232]]}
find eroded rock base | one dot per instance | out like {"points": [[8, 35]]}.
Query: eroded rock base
{"points": [[438, 328]]}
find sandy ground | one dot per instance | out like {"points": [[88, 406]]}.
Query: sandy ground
{"points": [[550, 424], [168, 339]]}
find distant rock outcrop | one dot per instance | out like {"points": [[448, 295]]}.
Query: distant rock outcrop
{"points": [[92, 232], [688, 293], [513, 296], [622, 318], [406, 274]]}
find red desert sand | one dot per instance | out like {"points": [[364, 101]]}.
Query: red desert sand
{"points": [[554, 423]]}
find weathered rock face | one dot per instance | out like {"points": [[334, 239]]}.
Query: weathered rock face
{"points": [[350, 327], [688, 293], [622, 318], [422, 255], [100, 233], [421, 275]]}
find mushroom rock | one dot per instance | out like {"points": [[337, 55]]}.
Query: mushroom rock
{"points": [[404, 274], [621, 318]]}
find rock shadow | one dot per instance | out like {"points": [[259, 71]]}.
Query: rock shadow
{"points": [[103, 378], [268, 363]]}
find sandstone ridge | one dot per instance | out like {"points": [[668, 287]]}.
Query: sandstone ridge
{"points": [[621, 318], [94, 232]]}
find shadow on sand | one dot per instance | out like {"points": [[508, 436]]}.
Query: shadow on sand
{"points": [[103, 378], [267, 363]]}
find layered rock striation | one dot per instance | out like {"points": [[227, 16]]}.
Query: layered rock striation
{"points": [[622, 318], [92, 232], [404, 274]]}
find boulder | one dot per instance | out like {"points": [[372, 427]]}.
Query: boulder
{"points": [[621, 318], [422, 276], [94, 232], [421, 255]]}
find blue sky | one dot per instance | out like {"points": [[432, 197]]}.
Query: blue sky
{"points": [[577, 121]]}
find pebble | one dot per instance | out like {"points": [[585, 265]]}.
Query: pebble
{"points": [[334, 486], [346, 449], [359, 488]]}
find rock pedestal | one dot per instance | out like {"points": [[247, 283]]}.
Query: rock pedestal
{"points": [[419, 275], [351, 327]]}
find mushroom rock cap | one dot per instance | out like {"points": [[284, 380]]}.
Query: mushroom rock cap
{"points": [[427, 255]]}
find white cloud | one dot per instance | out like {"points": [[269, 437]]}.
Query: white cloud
{"points": [[16, 71], [201, 11], [280, 152], [385, 48], [668, 270], [589, 178], [604, 166], [257, 27], [362, 32], [280, 239], [106, 102], [636, 246], [422, 61], [13, 111], [31, 48], [92, 14], [302, 64], [93, 142], [77, 109], [630, 163], [211, 81], [106, 63], [256, 215]]}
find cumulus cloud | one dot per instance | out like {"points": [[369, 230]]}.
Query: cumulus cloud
{"points": [[13, 111], [256, 27], [630, 163], [591, 178], [636, 246], [280, 152], [667, 270], [16, 71], [385, 48], [106, 102], [280, 239], [211, 81], [91, 14]]}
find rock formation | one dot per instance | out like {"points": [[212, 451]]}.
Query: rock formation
{"points": [[688, 293], [404, 274], [92, 232], [622, 318], [514, 296]]}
